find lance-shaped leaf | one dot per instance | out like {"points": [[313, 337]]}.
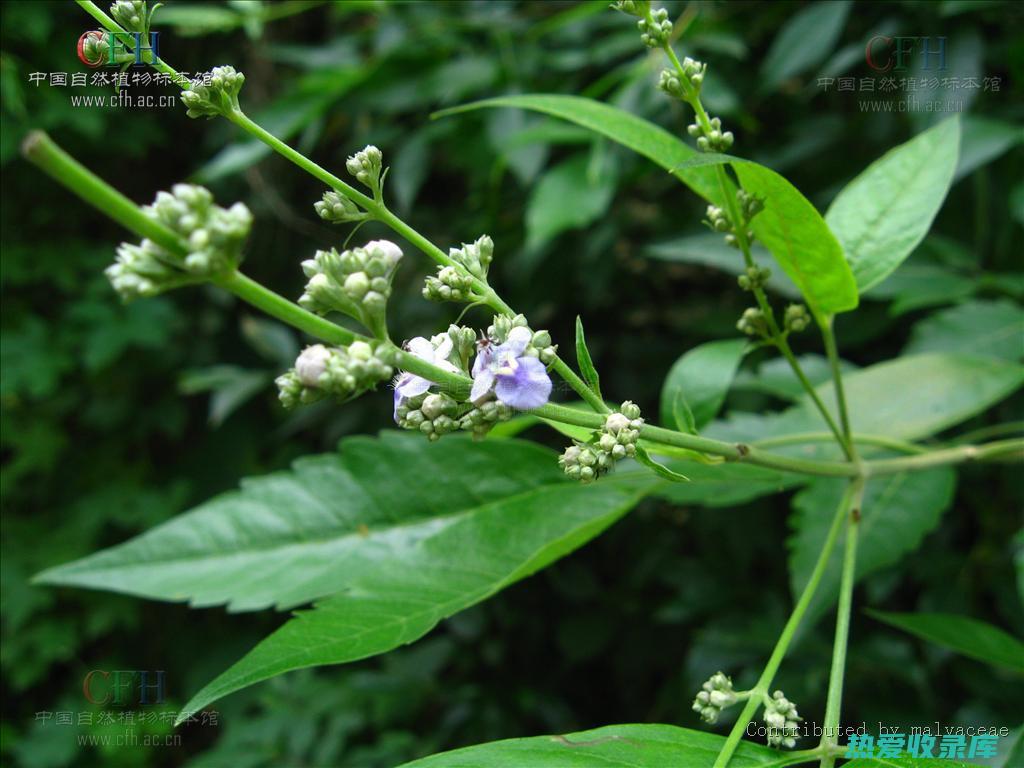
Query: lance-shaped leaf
{"points": [[337, 520], [624, 746], [882, 215], [961, 634], [701, 377], [643, 137], [404, 533]]}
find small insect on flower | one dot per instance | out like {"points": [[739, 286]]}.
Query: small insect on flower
{"points": [[517, 380]]}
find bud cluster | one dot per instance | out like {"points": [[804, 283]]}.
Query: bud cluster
{"points": [[338, 209], [366, 165], [693, 73], [616, 440], [450, 284], [220, 97], [481, 418], [95, 46], [212, 237], [796, 318], [476, 257], [655, 29], [433, 414], [750, 204], [632, 7], [753, 323], [717, 219], [540, 345], [341, 372], [782, 721], [132, 15], [356, 282], [712, 138], [715, 695], [754, 278]]}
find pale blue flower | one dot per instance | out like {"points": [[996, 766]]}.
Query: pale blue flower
{"points": [[408, 385], [518, 381]]}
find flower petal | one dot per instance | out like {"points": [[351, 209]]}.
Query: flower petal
{"points": [[412, 386], [444, 349], [483, 381], [482, 361], [422, 348], [518, 339], [528, 387]]}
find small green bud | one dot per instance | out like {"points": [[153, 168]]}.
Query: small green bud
{"points": [[656, 31], [796, 318], [341, 372], [366, 166], [338, 209], [220, 97], [131, 14], [753, 323]]}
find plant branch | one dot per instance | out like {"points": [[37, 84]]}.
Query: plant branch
{"points": [[833, 704], [782, 645]]}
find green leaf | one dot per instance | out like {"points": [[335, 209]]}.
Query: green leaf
{"points": [[775, 376], [882, 215], [897, 513], [566, 197], [804, 42], [726, 485], [584, 361], [702, 376], [984, 140], [403, 533], [643, 137], [710, 250], [801, 242], [624, 746], [961, 634], [990, 328], [682, 414], [658, 468]]}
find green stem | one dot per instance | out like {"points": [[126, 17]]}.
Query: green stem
{"points": [[739, 226], [837, 379], [782, 645], [562, 368], [41, 150], [279, 307], [833, 704]]}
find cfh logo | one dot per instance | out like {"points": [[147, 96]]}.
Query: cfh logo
{"points": [[113, 49], [884, 54], [124, 686]]}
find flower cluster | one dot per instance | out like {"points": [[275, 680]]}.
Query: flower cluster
{"points": [[455, 282], [366, 165], [753, 323], [796, 318], [341, 372], [211, 236], [338, 209], [655, 29], [754, 278], [693, 73], [782, 721], [715, 695], [132, 15], [710, 137], [219, 97], [356, 282], [616, 440]]}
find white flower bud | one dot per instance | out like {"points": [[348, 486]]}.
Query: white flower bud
{"points": [[311, 364]]}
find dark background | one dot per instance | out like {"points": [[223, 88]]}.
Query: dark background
{"points": [[117, 417]]}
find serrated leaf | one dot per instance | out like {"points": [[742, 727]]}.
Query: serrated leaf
{"points": [[882, 215], [701, 377], [403, 533], [643, 137], [961, 634], [584, 361], [626, 746], [991, 328], [898, 511], [291, 537]]}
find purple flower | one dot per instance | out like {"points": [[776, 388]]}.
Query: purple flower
{"points": [[518, 381], [409, 385]]}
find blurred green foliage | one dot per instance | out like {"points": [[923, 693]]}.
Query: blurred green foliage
{"points": [[117, 417]]}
